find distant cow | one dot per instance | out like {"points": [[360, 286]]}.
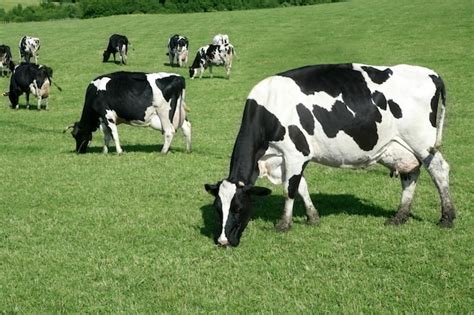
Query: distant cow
{"points": [[6, 60], [221, 39], [212, 55], [153, 100], [178, 49], [29, 47], [344, 115], [117, 44], [33, 79]]}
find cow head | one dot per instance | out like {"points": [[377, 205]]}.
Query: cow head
{"points": [[106, 56], [234, 209], [82, 136]]}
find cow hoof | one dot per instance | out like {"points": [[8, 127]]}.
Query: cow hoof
{"points": [[283, 226], [397, 220], [446, 223], [312, 220]]}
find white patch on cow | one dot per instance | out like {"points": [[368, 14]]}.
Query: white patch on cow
{"points": [[101, 84], [226, 194]]}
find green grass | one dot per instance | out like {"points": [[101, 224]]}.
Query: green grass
{"points": [[132, 233], [8, 4]]}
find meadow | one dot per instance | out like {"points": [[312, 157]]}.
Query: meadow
{"points": [[133, 233]]}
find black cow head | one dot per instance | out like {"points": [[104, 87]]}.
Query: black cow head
{"points": [[233, 209], [82, 136], [106, 56]]}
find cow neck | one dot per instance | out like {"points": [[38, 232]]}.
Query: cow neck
{"points": [[257, 129], [89, 118], [248, 149]]}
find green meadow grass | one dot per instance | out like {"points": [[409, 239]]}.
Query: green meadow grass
{"points": [[133, 233], [8, 4]]}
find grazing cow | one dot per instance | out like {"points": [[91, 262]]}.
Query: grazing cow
{"points": [[221, 39], [117, 44], [212, 55], [345, 115], [29, 47], [178, 49], [30, 78], [6, 62], [153, 100]]}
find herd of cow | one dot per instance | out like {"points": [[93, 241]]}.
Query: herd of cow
{"points": [[340, 115]]}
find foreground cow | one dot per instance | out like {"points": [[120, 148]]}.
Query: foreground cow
{"points": [[6, 60], [29, 47], [153, 100], [178, 50], [348, 116], [212, 55], [117, 44], [30, 78]]}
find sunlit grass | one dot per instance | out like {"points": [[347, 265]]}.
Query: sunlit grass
{"points": [[133, 233]]}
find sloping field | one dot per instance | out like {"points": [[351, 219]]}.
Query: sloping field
{"points": [[133, 233], [8, 4]]}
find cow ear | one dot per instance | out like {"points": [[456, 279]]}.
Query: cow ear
{"points": [[259, 191], [213, 189]]}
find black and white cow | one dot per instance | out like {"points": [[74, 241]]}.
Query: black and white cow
{"points": [[29, 47], [30, 78], [153, 100], [117, 44], [344, 115], [6, 60], [212, 55], [220, 39], [178, 50]]}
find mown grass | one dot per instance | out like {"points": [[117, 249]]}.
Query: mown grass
{"points": [[8, 4], [133, 233]]}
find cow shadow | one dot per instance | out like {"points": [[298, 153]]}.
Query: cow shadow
{"points": [[174, 65], [129, 148], [270, 209]]}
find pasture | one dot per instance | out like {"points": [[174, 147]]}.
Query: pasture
{"points": [[133, 233]]}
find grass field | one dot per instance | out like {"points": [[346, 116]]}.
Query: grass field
{"points": [[133, 233], [8, 4]]}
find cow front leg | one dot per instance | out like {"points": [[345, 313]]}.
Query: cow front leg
{"points": [[439, 171], [291, 182], [27, 100], [210, 71], [114, 130], [38, 107], [408, 182], [107, 137]]}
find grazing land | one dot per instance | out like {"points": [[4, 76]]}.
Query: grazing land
{"points": [[133, 233], [8, 4]]}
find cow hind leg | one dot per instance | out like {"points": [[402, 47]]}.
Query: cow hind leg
{"points": [[187, 135], [408, 182], [312, 215], [438, 168]]}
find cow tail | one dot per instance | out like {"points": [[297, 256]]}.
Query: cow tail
{"points": [[441, 113]]}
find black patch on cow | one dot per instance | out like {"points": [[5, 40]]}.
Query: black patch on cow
{"points": [[376, 75], [298, 138], [172, 88], [259, 127], [293, 184], [306, 118], [356, 115], [379, 99], [440, 90], [395, 109]]}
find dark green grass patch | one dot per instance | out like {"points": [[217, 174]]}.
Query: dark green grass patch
{"points": [[133, 233]]}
